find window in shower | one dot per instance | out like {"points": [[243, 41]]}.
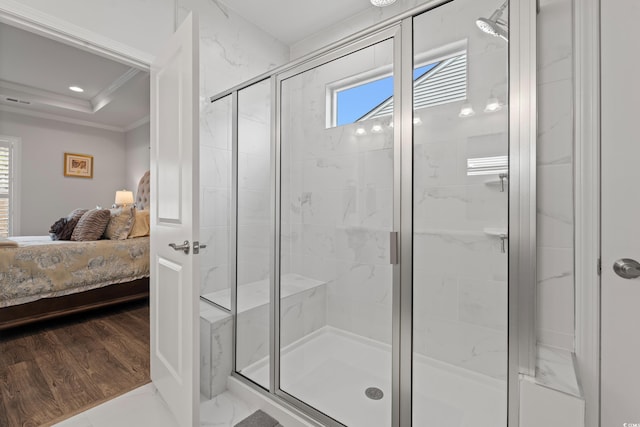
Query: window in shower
{"points": [[366, 97]]}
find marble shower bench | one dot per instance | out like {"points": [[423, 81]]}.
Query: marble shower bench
{"points": [[554, 397], [303, 308]]}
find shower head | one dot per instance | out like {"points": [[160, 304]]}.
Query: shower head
{"points": [[494, 25]]}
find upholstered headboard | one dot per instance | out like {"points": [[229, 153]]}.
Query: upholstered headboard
{"points": [[144, 191]]}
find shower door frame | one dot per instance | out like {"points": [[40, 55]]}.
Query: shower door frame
{"points": [[522, 204], [395, 33]]}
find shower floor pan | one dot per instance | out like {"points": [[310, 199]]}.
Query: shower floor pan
{"points": [[331, 369]]}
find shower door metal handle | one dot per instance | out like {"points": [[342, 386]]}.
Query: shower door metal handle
{"points": [[627, 268], [393, 248]]}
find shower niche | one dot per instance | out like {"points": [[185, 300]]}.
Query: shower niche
{"points": [[369, 217]]}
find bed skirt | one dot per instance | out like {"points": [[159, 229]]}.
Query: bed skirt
{"points": [[48, 308]]}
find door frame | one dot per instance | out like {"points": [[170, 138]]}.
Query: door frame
{"points": [[17, 15], [587, 202]]}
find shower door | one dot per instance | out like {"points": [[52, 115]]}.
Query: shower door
{"points": [[391, 241], [336, 210]]}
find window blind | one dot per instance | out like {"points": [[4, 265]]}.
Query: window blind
{"points": [[5, 188], [446, 82]]}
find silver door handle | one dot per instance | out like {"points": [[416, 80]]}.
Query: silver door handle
{"points": [[183, 247], [394, 256], [627, 268]]}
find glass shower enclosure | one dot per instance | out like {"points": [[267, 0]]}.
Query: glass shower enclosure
{"points": [[369, 224]]}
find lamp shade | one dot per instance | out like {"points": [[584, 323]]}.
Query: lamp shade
{"points": [[124, 197]]}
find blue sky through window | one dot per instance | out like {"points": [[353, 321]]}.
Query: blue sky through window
{"points": [[355, 102]]}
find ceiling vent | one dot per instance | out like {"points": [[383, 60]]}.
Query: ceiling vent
{"points": [[18, 101]]}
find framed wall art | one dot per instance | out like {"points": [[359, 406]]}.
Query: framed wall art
{"points": [[78, 165]]}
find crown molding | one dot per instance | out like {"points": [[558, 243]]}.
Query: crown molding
{"points": [[137, 123], [55, 117], [104, 97], [35, 21]]}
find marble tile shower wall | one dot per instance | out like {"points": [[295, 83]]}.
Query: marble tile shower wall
{"points": [[337, 200], [555, 320], [460, 271], [215, 200], [555, 175], [232, 50], [339, 187], [254, 178]]}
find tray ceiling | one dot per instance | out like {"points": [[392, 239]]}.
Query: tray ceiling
{"points": [[36, 72]]}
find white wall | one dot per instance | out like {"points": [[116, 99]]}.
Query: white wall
{"points": [[137, 155], [46, 194], [141, 24]]}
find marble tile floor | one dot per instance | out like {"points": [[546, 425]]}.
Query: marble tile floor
{"points": [[143, 407], [330, 369]]}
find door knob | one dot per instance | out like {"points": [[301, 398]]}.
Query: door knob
{"points": [[627, 268], [183, 247]]}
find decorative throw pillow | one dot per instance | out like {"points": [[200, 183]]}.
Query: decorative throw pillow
{"points": [[121, 223], [76, 214], [56, 228], [63, 228], [91, 225], [141, 225]]}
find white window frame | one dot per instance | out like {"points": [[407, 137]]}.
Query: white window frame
{"points": [[435, 55], [15, 147]]}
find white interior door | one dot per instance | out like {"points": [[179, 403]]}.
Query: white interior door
{"points": [[620, 297], [174, 220]]}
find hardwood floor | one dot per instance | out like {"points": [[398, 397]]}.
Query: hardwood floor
{"points": [[56, 369]]}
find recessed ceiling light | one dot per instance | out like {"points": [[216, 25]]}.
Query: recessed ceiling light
{"points": [[76, 88], [382, 3], [466, 110]]}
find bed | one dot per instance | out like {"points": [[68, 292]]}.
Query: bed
{"points": [[42, 279]]}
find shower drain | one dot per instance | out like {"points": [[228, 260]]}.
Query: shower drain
{"points": [[374, 393]]}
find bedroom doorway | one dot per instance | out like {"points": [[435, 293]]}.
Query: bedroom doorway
{"points": [[108, 121]]}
